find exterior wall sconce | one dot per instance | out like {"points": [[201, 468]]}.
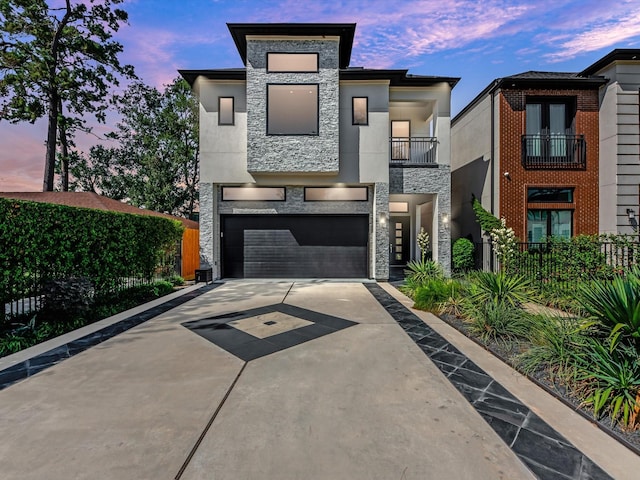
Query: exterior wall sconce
{"points": [[633, 221], [383, 218], [445, 219]]}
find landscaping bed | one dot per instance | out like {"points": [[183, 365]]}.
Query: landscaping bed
{"points": [[589, 358], [507, 352]]}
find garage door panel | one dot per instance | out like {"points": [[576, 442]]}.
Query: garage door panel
{"points": [[295, 246]]}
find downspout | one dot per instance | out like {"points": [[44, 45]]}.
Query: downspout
{"points": [[493, 147]]}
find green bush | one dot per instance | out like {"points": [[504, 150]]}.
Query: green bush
{"points": [[497, 321], [613, 381], [500, 289], [433, 293], [615, 305], [43, 241], [175, 280], [463, 259], [554, 344], [420, 272]]}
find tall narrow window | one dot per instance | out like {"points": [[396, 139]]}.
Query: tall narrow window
{"points": [[360, 110], [225, 111], [400, 136]]}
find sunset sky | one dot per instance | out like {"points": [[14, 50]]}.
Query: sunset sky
{"points": [[478, 40]]}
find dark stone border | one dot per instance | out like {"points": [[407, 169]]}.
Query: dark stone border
{"points": [[546, 452], [247, 347], [36, 364]]}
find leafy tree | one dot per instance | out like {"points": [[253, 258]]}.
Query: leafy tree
{"points": [[155, 161], [58, 57]]}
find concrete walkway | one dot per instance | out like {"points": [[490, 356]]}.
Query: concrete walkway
{"points": [[338, 400]]}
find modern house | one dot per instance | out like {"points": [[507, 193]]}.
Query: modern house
{"points": [[619, 140], [311, 168], [527, 148]]}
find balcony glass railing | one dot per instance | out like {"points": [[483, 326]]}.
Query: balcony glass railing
{"points": [[554, 151], [413, 150]]}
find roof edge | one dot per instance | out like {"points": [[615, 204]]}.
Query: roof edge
{"points": [[613, 56]]}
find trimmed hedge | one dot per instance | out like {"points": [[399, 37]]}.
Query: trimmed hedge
{"points": [[41, 240]]}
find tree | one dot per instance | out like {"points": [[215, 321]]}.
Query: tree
{"points": [[154, 163], [59, 57]]}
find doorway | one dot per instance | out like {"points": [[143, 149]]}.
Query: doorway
{"points": [[399, 244]]}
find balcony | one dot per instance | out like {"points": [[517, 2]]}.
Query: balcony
{"points": [[413, 151], [554, 151]]}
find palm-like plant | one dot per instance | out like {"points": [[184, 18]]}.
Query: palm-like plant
{"points": [[613, 381], [615, 305], [421, 271], [501, 289]]}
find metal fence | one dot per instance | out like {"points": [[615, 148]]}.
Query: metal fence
{"points": [[563, 263], [26, 293]]}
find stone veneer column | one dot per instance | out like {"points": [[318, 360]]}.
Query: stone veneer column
{"points": [[444, 232], [207, 258], [381, 231]]}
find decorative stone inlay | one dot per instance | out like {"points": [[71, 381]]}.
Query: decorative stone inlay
{"points": [[548, 454], [246, 335]]}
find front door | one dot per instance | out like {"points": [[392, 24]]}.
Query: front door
{"points": [[399, 244]]}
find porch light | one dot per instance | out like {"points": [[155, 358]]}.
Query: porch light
{"points": [[382, 218], [631, 214], [445, 219]]}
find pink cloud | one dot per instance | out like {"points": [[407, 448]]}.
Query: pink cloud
{"points": [[595, 37]]}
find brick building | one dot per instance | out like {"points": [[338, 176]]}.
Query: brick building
{"points": [[527, 148]]}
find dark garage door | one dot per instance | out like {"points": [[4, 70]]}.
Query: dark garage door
{"points": [[294, 246]]}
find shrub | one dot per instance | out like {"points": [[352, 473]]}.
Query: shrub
{"points": [[612, 382], [496, 322], [554, 343], [463, 259], [431, 295], [500, 289], [175, 280], [422, 271], [615, 305]]}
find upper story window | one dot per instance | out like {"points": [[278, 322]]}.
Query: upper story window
{"points": [[292, 62], [225, 111], [360, 110], [292, 109], [550, 141]]}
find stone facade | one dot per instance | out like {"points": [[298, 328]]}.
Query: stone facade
{"points": [[381, 231], [430, 181], [207, 257], [296, 153]]}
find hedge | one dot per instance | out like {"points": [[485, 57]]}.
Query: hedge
{"points": [[41, 240]]}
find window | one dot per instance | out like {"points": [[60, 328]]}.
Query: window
{"points": [[225, 111], [398, 207], [548, 122], [360, 110], [549, 195], [544, 223], [400, 136], [277, 194], [333, 194], [292, 62], [292, 109]]}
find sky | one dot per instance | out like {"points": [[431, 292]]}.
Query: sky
{"points": [[477, 40]]}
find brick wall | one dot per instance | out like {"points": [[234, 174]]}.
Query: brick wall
{"points": [[513, 190]]}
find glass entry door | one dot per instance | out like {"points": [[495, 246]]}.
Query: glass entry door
{"points": [[399, 245]]}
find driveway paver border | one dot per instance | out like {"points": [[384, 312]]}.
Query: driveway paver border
{"points": [[30, 366]]}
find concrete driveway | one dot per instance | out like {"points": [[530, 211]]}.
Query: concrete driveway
{"points": [[253, 380]]}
